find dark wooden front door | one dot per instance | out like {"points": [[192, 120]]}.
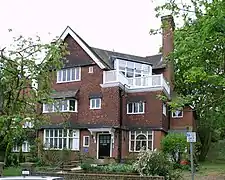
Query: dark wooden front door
{"points": [[104, 146]]}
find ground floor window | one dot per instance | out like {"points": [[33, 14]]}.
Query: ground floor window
{"points": [[62, 139], [25, 147], [140, 139]]}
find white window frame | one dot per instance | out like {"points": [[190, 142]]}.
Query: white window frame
{"points": [[146, 134], [91, 69], [75, 139], [142, 69], [25, 147], [164, 109], [60, 74], [174, 115], [133, 106], [95, 99], [55, 109], [86, 145]]}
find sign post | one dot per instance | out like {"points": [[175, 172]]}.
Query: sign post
{"points": [[191, 138]]}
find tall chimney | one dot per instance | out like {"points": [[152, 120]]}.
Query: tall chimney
{"points": [[168, 27]]}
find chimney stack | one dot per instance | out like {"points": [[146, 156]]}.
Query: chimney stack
{"points": [[168, 27]]}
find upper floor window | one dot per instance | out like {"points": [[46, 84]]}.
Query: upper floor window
{"points": [[95, 103], [132, 69], [61, 105], [177, 114], [140, 139], [135, 108], [68, 75], [90, 69]]}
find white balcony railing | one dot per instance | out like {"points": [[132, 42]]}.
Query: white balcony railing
{"points": [[154, 81]]}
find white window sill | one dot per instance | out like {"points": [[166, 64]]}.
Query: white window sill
{"points": [[176, 117], [60, 82], [46, 112], [85, 145], [95, 108], [56, 149], [136, 113]]}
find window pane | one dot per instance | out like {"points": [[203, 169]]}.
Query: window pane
{"points": [[51, 133], [70, 143], [86, 141], [64, 105], [64, 75], [51, 142], [138, 66], [55, 142], [122, 63], [132, 137], [77, 73], [138, 145], [92, 103], [132, 146], [64, 143], [73, 74], [68, 74], [59, 76], [60, 143], [47, 133], [144, 144], [97, 101], [130, 105], [60, 132], [65, 133], [130, 73], [136, 107], [141, 137], [141, 107], [72, 105], [130, 65], [150, 145], [56, 133]]}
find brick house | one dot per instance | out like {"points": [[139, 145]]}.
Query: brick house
{"points": [[112, 100]]}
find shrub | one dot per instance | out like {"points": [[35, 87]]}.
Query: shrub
{"points": [[108, 168], [175, 145], [151, 163]]}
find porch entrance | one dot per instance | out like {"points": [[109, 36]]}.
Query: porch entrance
{"points": [[104, 145]]}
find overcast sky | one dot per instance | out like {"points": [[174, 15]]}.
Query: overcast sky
{"points": [[120, 25]]}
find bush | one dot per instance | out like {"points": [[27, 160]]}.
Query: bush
{"points": [[151, 163], [117, 168], [175, 145]]}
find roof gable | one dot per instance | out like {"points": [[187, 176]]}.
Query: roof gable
{"points": [[83, 45]]}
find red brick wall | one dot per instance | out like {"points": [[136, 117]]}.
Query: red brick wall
{"points": [[185, 121], [153, 112]]}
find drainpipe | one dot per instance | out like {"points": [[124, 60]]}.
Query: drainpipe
{"points": [[120, 137]]}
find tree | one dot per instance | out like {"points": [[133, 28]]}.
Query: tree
{"points": [[26, 62], [199, 62]]}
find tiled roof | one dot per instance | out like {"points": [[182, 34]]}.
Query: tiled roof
{"points": [[108, 57]]}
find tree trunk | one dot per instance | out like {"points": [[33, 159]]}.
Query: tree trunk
{"points": [[206, 142], [7, 152]]}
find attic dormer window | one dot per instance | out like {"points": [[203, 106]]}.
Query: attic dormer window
{"points": [[132, 69], [69, 75]]}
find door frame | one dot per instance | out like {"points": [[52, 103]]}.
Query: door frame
{"points": [[110, 154]]}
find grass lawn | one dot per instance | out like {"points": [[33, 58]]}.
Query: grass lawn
{"points": [[12, 171], [208, 171]]}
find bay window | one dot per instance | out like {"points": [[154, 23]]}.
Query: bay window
{"points": [[60, 139], [139, 140]]}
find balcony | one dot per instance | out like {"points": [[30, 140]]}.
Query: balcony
{"points": [[154, 82]]}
